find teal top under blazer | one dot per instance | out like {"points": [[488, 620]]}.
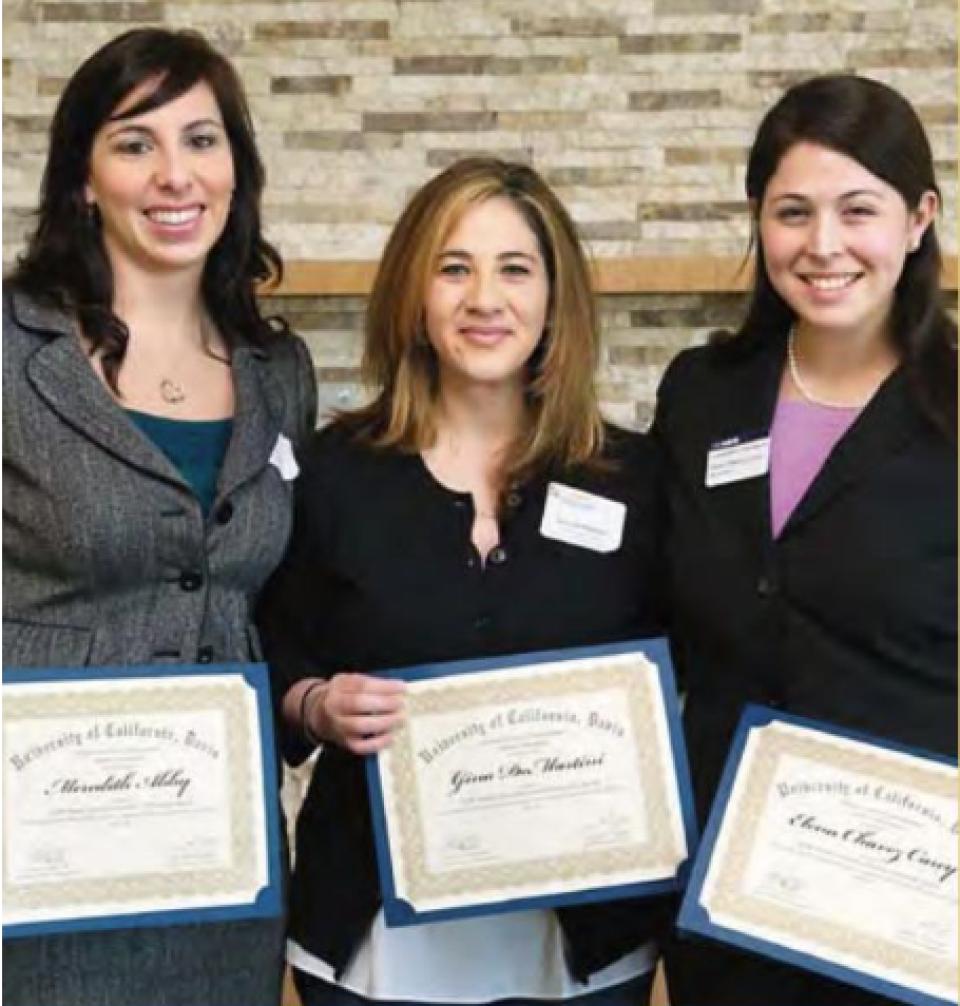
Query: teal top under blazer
{"points": [[108, 559]]}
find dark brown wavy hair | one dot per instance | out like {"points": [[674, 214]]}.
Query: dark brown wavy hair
{"points": [[65, 263], [877, 127]]}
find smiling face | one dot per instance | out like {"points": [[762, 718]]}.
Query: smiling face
{"points": [[486, 303], [162, 181], [835, 238]]}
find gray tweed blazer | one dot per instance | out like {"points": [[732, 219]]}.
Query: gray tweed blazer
{"points": [[107, 556]]}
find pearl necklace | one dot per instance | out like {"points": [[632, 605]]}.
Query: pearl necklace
{"points": [[805, 392]]}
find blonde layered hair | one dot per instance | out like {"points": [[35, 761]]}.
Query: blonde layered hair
{"points": [[564, 426]]}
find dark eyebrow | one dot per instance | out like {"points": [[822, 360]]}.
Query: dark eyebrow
{"points": [[852, 194], [204, 122], [461, 253], [855, 193], [124, 126], [117, 126]]}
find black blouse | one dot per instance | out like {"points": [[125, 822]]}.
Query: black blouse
{"points": [[381, 573]]}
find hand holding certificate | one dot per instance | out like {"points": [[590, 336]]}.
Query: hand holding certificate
{"points": [[834, 854], [541, 779], [134, 798]]}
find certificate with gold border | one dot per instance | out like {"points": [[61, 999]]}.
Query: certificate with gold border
{"points": [[540, 779], [137, 796], [836, 853]]}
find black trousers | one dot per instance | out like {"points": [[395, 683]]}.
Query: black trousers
{"points": [[710, 974]]}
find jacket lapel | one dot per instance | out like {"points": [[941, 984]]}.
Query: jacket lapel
{"points": [[742, 408], [258, 419], [62, 376], [889, 420]]}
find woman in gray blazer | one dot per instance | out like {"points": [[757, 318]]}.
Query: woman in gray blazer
{"points": [[150, 416]]}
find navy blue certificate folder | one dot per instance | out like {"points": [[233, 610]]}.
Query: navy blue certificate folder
{"points": [[516, 725], [138, 796], [798, 805]]}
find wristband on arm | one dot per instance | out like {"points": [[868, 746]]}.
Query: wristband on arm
{"points": [[304, 725]]}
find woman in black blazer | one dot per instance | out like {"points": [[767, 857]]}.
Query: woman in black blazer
{"points": [[817, 574], [148, 416], [418, 537]]}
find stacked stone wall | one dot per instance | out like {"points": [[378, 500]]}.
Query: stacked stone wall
{"points": [[638, 112]]}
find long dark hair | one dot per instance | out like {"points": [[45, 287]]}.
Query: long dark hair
{"points": [[65, 263], [876, 127]]}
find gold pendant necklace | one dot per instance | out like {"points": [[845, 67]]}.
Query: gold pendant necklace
{"points": [[172, 392]]}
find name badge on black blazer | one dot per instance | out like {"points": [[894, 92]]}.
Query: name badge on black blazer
{"points": [[736, 459], [580, 518]]}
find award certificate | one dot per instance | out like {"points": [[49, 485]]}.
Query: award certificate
{"points": [[542, 779], [134, 797], [836, 854]]}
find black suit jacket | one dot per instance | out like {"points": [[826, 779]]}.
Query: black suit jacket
{"points": [[849, 616]]}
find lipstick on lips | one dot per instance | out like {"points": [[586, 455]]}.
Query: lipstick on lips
{"points": [[486, 335]]}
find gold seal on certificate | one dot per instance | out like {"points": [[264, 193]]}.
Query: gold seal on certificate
{"points": [[836, 854], [127, 794], [541, 780]]}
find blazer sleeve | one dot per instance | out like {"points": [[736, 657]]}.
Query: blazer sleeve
{"points": [[637, 480], [675, 377], [292, 369], [301, 378], [289, 611], [678, 381]]}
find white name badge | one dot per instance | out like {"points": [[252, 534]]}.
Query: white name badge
{"points": [[581, 518], [733, 461], [283, 460]]}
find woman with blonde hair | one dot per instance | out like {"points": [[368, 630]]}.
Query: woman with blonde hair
{"points": [[417, 538]]}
